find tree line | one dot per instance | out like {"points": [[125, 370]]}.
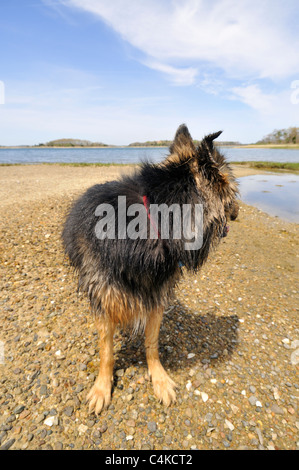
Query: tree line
{"points": [[282, 136]]}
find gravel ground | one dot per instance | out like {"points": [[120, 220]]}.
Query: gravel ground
{"points": [[230, 340]]}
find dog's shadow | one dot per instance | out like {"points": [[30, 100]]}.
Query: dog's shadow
{"points": [[185, 338]]}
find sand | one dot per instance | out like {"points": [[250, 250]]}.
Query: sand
{"points": [[229, 339], [37, 182]]}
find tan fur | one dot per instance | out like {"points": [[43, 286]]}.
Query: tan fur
{"points": [[100, 395], [118, 306], [162, 383]]}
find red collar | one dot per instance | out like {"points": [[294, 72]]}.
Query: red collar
{"points": [[146, 204]]}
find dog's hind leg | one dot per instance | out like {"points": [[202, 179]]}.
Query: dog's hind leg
{"points": [[99, 396], [162, 383]]}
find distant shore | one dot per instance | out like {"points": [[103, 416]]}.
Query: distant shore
{"points": [[244, 146], [268, 146]]}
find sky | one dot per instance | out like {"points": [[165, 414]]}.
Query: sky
{"points": [[123, 71]]}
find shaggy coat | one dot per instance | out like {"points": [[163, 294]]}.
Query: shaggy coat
{"points": [[129, 280]]}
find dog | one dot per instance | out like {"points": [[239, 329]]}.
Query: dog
{"points": [[130, 279]]}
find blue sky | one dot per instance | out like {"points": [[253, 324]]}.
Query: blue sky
{"points": [[132, 70]]}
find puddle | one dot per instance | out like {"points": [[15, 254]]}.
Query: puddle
{"points": [[278, 195]]}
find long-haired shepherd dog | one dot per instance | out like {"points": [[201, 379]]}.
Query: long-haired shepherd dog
{"points": [[127, 266]]}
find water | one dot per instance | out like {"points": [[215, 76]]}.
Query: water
{"points": [[277, 195], [78, 155], [132, 155]]}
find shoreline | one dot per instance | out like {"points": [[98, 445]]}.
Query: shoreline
{"points": [[28, 183], [36, 182], [253, 146], [283, 167]]}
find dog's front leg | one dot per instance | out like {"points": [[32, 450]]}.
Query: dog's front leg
{"points": [[163, 385], [100, 395]]}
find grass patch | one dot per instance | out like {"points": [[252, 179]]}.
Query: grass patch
{"points": [[273, 166]]}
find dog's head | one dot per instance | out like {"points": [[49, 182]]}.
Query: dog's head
{"points": [[211, 171]]}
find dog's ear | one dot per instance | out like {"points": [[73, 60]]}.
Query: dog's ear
{"points": [[207, 146], [182, 146]]}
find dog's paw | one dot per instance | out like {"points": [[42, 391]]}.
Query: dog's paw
{"points": [[99, 397], [164, 388]]}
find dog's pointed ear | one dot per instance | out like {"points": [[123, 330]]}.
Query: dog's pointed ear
{"points": [[182, 145], [207, 146]]}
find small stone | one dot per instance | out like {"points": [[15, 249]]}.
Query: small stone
{"points": [[18, 409], [151, 426], [103, 428], [190, 355], [51, 421], [119, 373], [295, 357], [68, 411], [7, 445], [43, 390], [234, 408], [252, 400], [226, 443], [277, 409], [189, 385], [214, 356], [58, 446], [3, 435], [11, 419], [82, 429], [276, 394], [17, 429], [131, 423], [204, 396], [229, 425], [24, 414]]}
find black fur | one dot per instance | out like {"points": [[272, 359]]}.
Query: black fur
{"points": [[142, 268]]}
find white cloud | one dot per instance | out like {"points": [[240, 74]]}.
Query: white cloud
{"points": [[253, 96], [245, 39], [275, 109], [178, 76]]}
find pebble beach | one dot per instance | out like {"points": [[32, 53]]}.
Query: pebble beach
{"points": [[230, 339]]}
